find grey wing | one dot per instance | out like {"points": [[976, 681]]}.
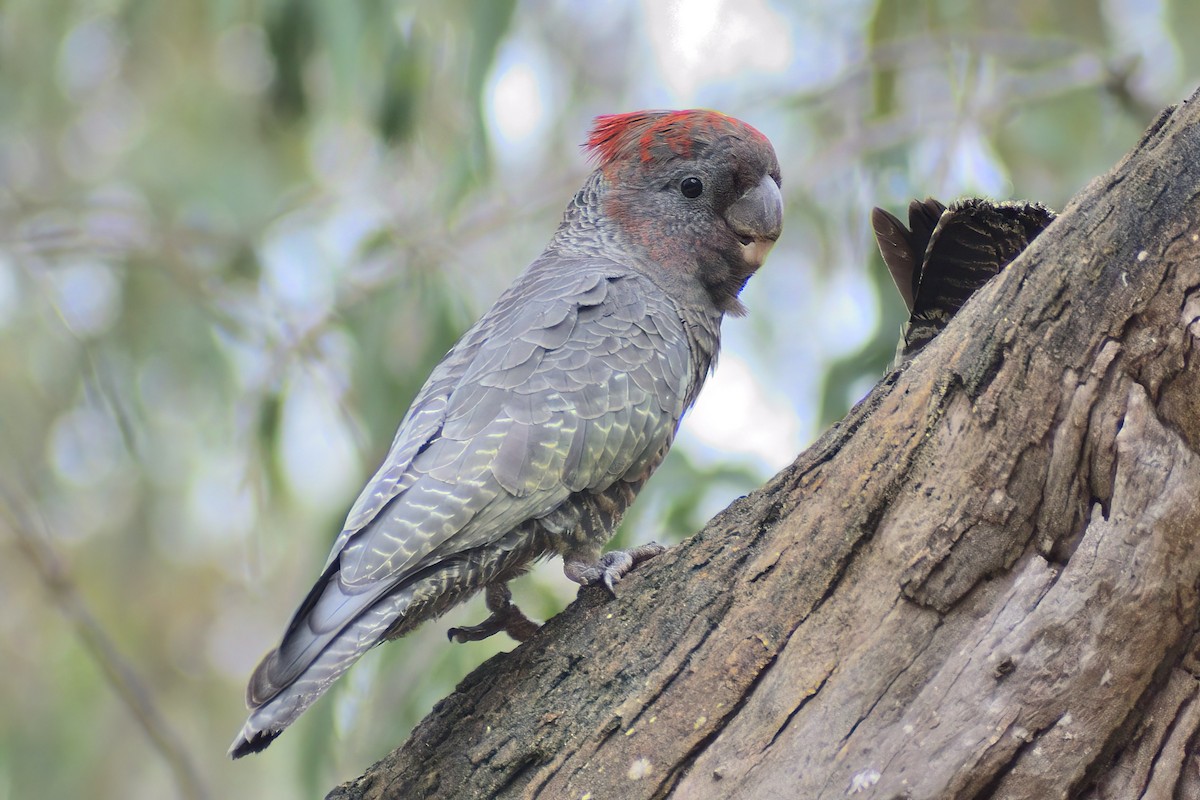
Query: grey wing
{"points": [[482, 350], [571, 382], [581, 382]]}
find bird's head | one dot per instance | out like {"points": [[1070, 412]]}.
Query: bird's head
{"points": [[696, 192]]}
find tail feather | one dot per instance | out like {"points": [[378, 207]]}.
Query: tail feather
{"points": [[327, 610], [335, 626], [285, 702]]}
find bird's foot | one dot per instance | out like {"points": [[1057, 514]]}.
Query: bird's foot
{"points": [[611, 567], [505, 617]]}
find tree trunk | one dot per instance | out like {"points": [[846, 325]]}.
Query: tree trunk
{"points": [[981, 583]]}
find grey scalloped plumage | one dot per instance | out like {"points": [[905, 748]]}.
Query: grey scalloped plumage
{"points": [[540, 426]]}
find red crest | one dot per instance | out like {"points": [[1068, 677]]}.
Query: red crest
{"points": [[652, 135]]}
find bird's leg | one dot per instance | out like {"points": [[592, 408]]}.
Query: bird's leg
{"points": [[505, 617], [610, 567]]}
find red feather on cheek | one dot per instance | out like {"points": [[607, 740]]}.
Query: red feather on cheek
{"points": [[667, 247]]}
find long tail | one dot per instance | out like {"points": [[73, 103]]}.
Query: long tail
{"points": [[336, 624], [329, 632]]}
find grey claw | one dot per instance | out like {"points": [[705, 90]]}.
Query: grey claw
{"points": [[612, 566]]}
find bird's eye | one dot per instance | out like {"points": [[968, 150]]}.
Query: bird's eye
{"points": [[691, 187]]}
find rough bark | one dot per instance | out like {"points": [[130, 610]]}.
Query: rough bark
{"points": [[981, 583]]}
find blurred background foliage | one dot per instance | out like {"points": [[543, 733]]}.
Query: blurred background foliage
{"points": [[234, 238]]}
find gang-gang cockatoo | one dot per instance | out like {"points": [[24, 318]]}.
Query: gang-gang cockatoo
{"points": [[538, 428]]}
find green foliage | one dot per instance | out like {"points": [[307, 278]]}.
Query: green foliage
{"points": [[238, 236]]}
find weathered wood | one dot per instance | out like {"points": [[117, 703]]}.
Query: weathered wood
{"points": [[982, 582]]}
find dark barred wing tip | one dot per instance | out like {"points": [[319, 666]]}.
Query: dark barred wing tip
{"points": [[923, 217], [952, 252], [897, 250], [974, 240]]}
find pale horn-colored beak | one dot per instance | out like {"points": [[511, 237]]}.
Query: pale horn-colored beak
{"points": [[757, 219]]}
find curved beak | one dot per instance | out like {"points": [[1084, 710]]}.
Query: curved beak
{"points": [[757, 219]]}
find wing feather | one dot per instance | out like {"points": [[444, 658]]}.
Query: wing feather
{"points": [[563, 387]]}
